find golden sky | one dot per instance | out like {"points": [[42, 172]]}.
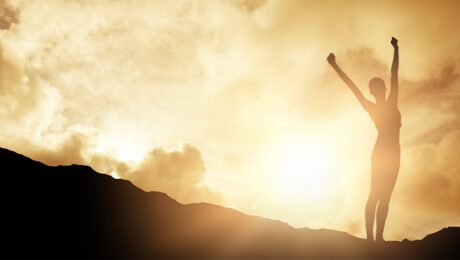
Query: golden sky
{"points": [[232, 102]]}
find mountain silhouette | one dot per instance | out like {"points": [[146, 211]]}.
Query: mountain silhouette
{"points": [[75, 212]]}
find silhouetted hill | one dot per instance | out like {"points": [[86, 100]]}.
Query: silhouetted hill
{"points": [[71, 211]]}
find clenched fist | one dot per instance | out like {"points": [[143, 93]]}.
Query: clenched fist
{"points": [[331, 58]]}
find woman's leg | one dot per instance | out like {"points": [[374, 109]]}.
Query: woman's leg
{"points": [[382, 212], [370, 215], [382, 209]]}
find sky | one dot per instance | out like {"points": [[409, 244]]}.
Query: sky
{"points": [[232, 102]]}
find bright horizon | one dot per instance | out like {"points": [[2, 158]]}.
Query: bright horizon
{"points": [[233, 102]]}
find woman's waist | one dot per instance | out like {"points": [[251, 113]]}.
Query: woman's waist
{"points": [[388, 135], [391, 141]]}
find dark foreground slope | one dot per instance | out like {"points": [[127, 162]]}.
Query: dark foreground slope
{"points": [[71, 211]]}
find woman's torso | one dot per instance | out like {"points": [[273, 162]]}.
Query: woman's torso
{"points": [[387, 119]]}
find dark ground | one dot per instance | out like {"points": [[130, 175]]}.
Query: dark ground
{"points": [[74, 212]]}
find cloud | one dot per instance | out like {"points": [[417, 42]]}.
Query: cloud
{"points": [[65, 148], [429, 183], [250, 5], [63, 85], [8, 15], [436, 97], [179, 172]]}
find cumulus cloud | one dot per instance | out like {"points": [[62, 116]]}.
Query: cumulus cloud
{"points": [[179, 171], [71, 146]]}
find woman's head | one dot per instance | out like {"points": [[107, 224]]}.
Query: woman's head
{"points": [[377, 88]]}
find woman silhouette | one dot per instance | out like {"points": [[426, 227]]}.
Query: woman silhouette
{"points": [[386, 154]]}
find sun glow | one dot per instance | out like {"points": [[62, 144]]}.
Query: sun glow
{"points": [[303, 170], [122, 145], [115, 174]]}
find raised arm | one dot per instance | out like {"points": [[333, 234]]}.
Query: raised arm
{"points": [[362, 100], [393, 97]]}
